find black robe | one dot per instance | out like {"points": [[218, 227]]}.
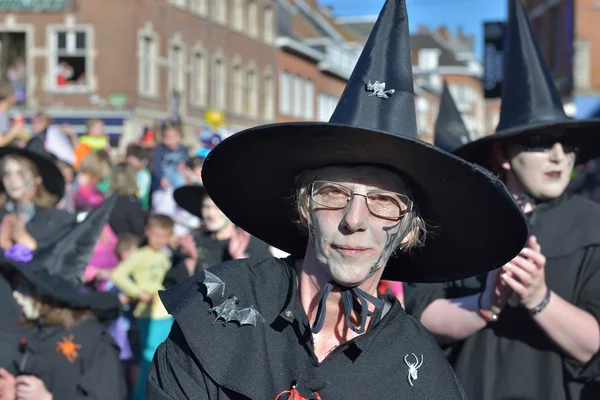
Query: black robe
{"points": [[208, 359], [48, 224], [94, 372], [513, 358]]}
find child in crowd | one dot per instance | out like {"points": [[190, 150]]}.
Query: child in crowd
{"points": [[169, 159], [136, 157], [92, 170], [67, 202], [140, 277]]}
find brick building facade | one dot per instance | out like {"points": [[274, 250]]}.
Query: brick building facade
{"points": [[139, 61], [315, 59]]}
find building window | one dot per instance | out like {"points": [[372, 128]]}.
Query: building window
{"points": [[252, 93], [428, 59], [178, 3], [297, 107], [422, 111], [69, 60], [198, 79], [238, 88], [253, 18], [326, 106], [199, 7], [220, 11], [269, 97], [309, 103], [219, 83], [238, 15], [268, 25], [284, 92], [148, 72], [176, 68]]}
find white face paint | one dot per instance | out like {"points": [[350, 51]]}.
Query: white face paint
{"points": [[18, 180], [29, 306], [544, 175], [351, 243], [213, 217]]}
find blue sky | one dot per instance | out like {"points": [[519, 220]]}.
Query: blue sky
{"points": [[469, 13]]}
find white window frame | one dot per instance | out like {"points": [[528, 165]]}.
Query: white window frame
{"points": [[429, 59], [252, 14], [309, 99], [285, 91], [219, 82], [297, 96], [422, 107], [326, 105], [238, 75], [269, 96], [238, 15], [52, 31], [149, 61], [177, 75], [199, 7], [178, 3], [198, 76], [220, 11], [268, 24], [251, 91]]}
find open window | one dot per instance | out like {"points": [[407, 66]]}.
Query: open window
{"points": [[70, 60], [13, 66]]}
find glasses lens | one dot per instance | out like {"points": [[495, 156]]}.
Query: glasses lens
{"points": [[388, 205], [330, 195]]}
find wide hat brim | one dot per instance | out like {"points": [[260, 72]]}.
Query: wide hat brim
{"points": [[51, 176], [189, 198], [61, 291], [474, 224], [585, 133]]}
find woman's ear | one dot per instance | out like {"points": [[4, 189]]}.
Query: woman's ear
{"points": [[500, 157]]}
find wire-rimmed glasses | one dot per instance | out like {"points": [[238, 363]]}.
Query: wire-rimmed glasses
{"points": [[383, 204]]}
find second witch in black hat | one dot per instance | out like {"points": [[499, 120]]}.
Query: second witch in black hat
{"points": [[352, 200], [58, 349], [529, 330], [31, 185]]}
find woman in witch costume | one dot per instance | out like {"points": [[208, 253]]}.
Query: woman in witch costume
{"points": [[529, 330], [362, 190], [30, 188], [59, 349]]}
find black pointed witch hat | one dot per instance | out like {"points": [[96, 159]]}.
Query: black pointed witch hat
{"points": [[450, 131], [250, 175], [531, 105], [56, 270]]}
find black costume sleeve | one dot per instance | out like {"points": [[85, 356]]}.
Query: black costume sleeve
{"points": [[588, 299], [177, 273], [174, 373], [418, 296], [102, 378]]}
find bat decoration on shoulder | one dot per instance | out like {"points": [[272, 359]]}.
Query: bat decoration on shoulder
{"points": [[228, 309]]}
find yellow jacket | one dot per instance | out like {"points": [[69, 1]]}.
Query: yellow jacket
{"points": [[144, 271]]}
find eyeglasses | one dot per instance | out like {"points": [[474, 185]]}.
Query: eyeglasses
{"points": [[382, 204], [544, 143]]}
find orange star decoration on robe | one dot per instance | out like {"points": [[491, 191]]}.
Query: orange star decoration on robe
{"points": [[68, 348]]}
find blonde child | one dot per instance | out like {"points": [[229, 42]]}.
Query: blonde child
{"points": [[140, 277]]}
